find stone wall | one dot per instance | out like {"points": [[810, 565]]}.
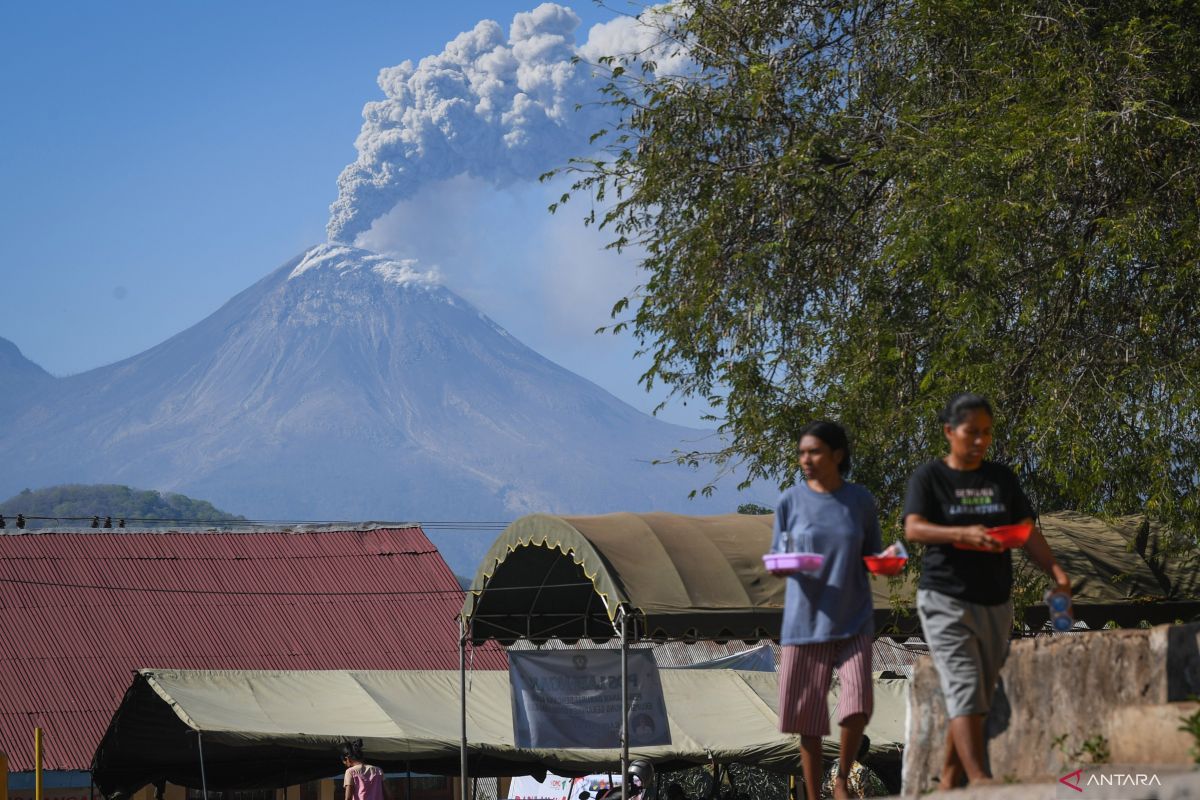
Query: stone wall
{"points": [[1054, 708]]}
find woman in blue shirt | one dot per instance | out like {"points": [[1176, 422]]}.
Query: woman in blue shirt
{"points": [[828, 618]]}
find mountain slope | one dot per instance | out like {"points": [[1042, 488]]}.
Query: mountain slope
{"points": [[22, 380], [346, 386]]}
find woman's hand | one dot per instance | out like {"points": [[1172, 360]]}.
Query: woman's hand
{"points": [[977, 536], [1062, 583], [919, 529]]}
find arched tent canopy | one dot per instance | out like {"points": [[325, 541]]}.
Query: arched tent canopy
{"points": [[682, 577], [702, 578]]}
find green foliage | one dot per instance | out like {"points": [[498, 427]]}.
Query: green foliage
{"points": [[1095, 748], [754, 508], [82, 502], [854, 209], [1191, 724]]}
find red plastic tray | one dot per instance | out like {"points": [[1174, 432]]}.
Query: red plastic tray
{"points": [[885, 565], [1008, 536]]}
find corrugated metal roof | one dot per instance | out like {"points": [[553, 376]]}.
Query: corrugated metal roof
{"points": [[80, 611]]}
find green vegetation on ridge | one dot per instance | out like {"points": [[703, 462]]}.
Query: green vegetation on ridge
{"points": [[82, 502]]}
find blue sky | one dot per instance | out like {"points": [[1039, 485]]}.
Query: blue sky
{"points": [[157, 158]]}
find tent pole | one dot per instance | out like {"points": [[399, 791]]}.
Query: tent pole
{"points": [[462, 705], [624, 703], [203, 777], [37, 764]]}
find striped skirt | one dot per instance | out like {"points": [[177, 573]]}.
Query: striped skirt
{"points": [[806, 671]]}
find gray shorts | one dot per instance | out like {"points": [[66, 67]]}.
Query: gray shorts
{"points": [[969, 643]]}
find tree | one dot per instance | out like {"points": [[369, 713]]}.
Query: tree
{"points": [[854, 209], [75, 504]]}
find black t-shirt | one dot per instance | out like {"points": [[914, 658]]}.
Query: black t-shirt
{"points": [[991, 496]]}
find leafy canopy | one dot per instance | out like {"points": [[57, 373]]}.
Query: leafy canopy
{"points": [[74, 504], [854, 209]]}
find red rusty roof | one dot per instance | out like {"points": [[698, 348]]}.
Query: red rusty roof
{"points": [[80, 611]]}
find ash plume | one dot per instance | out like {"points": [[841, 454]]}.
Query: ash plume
{"points": [[497, 108]]}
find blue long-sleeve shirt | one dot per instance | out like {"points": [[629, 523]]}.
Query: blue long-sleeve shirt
{"points": [[843, 526]]}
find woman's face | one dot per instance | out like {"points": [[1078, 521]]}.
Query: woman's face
{"points": [[970, 439], [817, 461]]}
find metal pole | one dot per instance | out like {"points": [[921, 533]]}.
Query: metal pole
{"points": [[408, 781], [462, 705], [203, 776], [624, 703], [37, 763]]}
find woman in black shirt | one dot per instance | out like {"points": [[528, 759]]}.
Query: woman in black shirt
{"points": [[964, 594]]}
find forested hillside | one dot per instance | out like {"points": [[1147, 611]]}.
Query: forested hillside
{"points": [[72, 505]]}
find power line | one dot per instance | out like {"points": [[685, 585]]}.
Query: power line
{"points": [[223, 593], [440, 525]]}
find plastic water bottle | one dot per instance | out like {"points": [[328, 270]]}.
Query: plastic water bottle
{"points": [[1059, 603]]}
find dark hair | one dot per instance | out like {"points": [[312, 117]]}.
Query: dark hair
{"points": [[352, 749], [960, 405], [831, 434]]}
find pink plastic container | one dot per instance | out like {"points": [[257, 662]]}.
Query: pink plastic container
{"points": [[788, 563]]}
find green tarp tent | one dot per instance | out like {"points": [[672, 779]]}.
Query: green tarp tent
{"points": [[698, 578], [271, 729], [702, 578]]}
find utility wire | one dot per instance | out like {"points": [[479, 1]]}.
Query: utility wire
{"points": [[463, 525], [318, 593]]}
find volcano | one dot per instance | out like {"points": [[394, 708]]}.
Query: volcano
{"points": [[348, 386]]}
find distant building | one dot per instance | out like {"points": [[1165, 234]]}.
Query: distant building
{"points": [[81, 610]]}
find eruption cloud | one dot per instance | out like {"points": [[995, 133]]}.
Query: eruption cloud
{"points": [[494, 109]]}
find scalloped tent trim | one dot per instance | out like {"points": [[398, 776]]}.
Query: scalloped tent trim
{"points": [[682, 577], [691, 578]]}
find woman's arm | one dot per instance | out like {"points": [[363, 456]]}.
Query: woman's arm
{"points": [[781, 524], [1038, 551], [922, 531]]}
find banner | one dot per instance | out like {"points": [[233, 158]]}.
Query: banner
{"points": [[572, 699], [591, 786], [556, 787], [527, 787]]}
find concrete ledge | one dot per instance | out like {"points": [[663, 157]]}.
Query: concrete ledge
{"points": [[1052, 711], [1150, 734]]}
